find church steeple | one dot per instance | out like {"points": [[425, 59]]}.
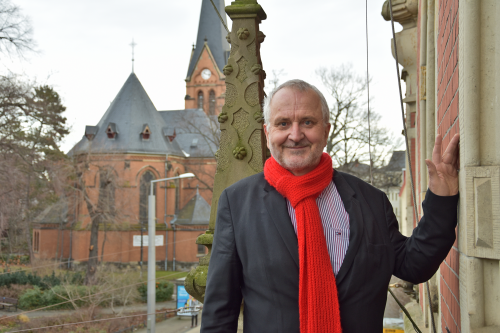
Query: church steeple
{"points": [[211, 31]]}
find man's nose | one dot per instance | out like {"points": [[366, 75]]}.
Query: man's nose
{"points": [[296, 134]]}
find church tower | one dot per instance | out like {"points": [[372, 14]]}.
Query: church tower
{"points": [[205, 81]]}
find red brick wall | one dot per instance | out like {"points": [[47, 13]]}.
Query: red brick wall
{"points": [[119, 245], [197, 83], [447, 126]]}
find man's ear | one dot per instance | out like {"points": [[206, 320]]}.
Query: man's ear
{"points": [[267, 135], [327, 131]]}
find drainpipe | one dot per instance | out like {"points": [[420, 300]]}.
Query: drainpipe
{"points": [[71, 229], [166, 244], [172, 223], [165, 215]]}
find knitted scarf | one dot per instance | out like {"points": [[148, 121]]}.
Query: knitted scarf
{"points": [[318, 300]]}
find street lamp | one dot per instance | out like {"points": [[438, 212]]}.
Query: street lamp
{"points": [[152, 251], [142, 245]]}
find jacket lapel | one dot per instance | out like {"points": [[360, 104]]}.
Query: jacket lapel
{"points": [[353, 208], [276, 207]]}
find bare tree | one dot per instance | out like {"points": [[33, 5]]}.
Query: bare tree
{"points": [[15, 30], [204, 130], [349, 139], [274, 80]]}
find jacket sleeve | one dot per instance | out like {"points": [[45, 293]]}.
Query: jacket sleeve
{"points": [[223, 291], [418, 257]]}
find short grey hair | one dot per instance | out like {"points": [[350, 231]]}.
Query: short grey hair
{"points": [[300, 86]]}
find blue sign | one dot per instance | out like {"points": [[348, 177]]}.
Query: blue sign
{"points": [[182, 296]]}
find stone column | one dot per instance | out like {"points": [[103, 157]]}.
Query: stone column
{"points": [[405, 12], [242, 150], [479, 210]]}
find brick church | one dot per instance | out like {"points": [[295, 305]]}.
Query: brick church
{"points": [[133, 144]]}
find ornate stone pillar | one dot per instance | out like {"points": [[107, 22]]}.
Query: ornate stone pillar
{"points": [[243, 148]]}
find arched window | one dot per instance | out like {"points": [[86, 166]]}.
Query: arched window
{"points": [[145, 187], [211, 100], [200, 99]]}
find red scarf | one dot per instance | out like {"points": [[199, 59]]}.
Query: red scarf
{"points": [[318, 300]]}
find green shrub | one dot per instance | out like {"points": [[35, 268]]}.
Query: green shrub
{"points": [[60, 294], [164, 291], [31, 299], [20, 277], [37, 298]]}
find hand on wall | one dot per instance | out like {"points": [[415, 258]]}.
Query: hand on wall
{"points": [[443, 170]]}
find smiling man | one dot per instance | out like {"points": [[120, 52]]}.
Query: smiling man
{"points": [[311, 249]]}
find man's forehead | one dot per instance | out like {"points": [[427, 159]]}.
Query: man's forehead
{"points": [[288, 100]]}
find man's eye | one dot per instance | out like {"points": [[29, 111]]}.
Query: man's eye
{"points": [[307, 122], [283, 123]]}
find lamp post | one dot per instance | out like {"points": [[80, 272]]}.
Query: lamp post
{"points": [[152, 251], [142, 245]]}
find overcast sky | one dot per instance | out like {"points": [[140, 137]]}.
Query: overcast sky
{"points": [[85, 52]]}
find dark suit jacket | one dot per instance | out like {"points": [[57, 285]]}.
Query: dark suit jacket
{"points": [[255, 256]]}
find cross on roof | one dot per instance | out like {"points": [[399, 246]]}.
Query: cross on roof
{"points": [[133, 46]]}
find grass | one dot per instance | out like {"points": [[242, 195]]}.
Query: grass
{"points": [[170, 276]]}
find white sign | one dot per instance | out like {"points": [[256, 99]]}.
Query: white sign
{"points": [[145, 240]]}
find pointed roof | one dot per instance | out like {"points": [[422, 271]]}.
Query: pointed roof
{"points": [[195, 212], [211, 29], [397, 162], [121, 127]]}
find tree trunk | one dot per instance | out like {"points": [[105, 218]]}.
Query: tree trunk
{"points": [[103, 242], [28, 231], [93, 252]]}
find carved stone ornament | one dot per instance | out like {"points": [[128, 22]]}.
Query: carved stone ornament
{"points": [[228, 69], [222, 117], [259, 116], [264, 75], [256, 69], [243, 33], [228, 38], [239, 152], [260, 37]]}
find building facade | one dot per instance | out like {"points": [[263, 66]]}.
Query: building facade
{"points": [[133, 144], [450, 51]]}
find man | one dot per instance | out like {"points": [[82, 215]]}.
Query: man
{"points": [[311, 249]]}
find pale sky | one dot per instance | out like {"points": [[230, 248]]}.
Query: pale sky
{"points": [[85, 53]]}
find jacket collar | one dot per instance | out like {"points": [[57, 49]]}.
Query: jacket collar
{"points": [[356, 224], [276, 207], [275, 204]]}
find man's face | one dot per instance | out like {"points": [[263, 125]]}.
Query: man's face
{"points": [[296, 133]]}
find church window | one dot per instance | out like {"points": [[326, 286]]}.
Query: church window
{"points": [[146, 132], [212, 102], [200, 100], [145, 188]]}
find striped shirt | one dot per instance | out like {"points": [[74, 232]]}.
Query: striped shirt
{"points": [[335, 222]]}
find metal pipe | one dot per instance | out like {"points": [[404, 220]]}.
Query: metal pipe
{"points": [[165, 215], [166, 245], [423, 99], [172, 223], [151, 262], [151, 292]]}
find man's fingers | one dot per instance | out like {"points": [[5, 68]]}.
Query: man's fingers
{"points": [[450, 156], [436, 152]]}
